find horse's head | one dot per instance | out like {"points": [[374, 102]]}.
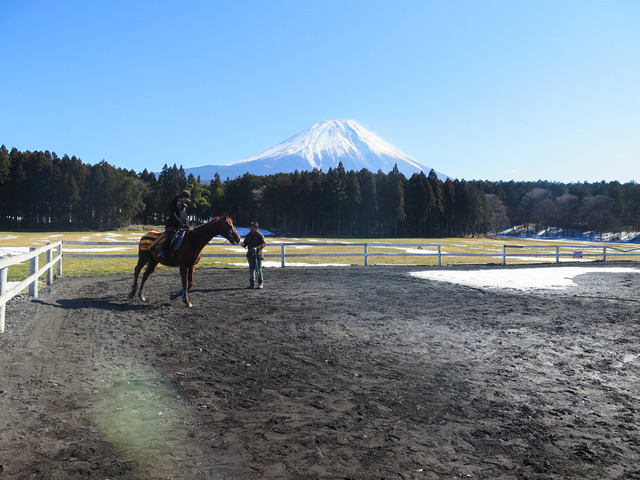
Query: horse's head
{"points": [[229, 231]]}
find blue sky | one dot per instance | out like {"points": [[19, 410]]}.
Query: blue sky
{"points": [[496, 90]]}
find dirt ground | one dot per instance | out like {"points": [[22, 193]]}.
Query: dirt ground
{"points": [[343, 372]]}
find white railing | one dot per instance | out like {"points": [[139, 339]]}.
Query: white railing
{"points": [[283, 255], [7, 291], [574, 252], [553, 252]]}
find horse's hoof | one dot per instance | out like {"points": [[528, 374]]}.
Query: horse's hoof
{"points": [[187, 303], [132, 294], [143, 298], [175, 295]]}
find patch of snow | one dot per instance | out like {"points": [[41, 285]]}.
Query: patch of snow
{"points": [[421, 251], [548, 259], [10, 285], [552, 278], [8, 251], [236, 249], [92, 250], [8, 237], [274, 264], [559, 234]]}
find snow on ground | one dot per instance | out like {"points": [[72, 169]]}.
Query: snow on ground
{"points": [[238, 249], [552, 278], [338, 242], [93, 249], [277, 264], [422, 251], [547, 259], [7, 251]]}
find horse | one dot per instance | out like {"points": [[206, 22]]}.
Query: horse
{"points": [[186, 256]]}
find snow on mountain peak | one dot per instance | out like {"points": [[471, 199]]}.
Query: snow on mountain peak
{"points": [[325, 142], [323, 146]]}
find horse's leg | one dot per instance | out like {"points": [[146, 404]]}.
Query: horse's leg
{"points": [[190, 279], [142, 261], [184, 274], [151, 267]]}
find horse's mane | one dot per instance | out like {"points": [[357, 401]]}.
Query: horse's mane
{"points": [[214, 219]]}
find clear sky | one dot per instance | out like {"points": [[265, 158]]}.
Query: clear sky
{"points": [[477, 89]]}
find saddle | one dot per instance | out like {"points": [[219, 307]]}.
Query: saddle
{"points": [[155, 239]]}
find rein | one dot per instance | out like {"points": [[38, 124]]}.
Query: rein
{"points": [[227, 228]]}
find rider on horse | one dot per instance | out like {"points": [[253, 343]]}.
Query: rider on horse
{"points": [[177, 220]]}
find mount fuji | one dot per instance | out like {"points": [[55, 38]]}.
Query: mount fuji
{"points": [[321, 147]]}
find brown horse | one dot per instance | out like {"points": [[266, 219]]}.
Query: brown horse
{"points": [[186, 257]]}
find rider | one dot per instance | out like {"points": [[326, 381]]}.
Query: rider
{"points": [[177, 219]]}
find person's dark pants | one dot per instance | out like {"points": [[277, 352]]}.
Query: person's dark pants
{"points": [[167, 244], [255, 270]]}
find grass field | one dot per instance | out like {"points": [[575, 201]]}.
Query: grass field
{"points": [[475, 250]]}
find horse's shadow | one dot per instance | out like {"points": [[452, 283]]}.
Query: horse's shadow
{"points": [[97, 303], [216, 290]]}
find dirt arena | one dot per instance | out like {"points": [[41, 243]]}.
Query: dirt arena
{"points": [[327, 373]]}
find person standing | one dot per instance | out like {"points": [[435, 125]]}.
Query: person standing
{"points": [[254, 243], [177, 219]]}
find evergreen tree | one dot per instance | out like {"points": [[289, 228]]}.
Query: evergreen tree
{"points": [[369, 202], [337, 196], [353, 201]]}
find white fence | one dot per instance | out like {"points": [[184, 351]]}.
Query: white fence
{"points": [[543, 252], [572, 252], [524, 252], [284, 254], [7, 292]]}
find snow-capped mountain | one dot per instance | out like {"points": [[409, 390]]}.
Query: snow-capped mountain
{"points": [[322, 146]]}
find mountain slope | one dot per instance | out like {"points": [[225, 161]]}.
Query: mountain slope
{"points": [[322, 146]]}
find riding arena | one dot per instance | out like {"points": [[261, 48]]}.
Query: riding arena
{"points": [[375, 372]]}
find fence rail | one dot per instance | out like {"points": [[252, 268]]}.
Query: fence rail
{"points": [[554, 251], [598, 252], [7, 293]]}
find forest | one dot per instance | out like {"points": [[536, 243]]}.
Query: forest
{"points": [[41, 191]]}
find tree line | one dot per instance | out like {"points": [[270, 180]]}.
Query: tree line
{"points": [[39, 190]]}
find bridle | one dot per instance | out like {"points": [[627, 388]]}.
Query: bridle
{"points": [[228, 228]]}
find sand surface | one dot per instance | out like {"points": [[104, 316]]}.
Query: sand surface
{"points": [[359, 372]]}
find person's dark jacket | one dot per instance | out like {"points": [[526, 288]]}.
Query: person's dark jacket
{"points": [[254, 240], [177, 214]]}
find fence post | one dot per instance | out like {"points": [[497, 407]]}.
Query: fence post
{"points": [[604, 253], [439, 255], [33, 268], [60, 261], [366, 254], [49, 256], [504, 255], [557, 254], [3, 282], [282, 253]]}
